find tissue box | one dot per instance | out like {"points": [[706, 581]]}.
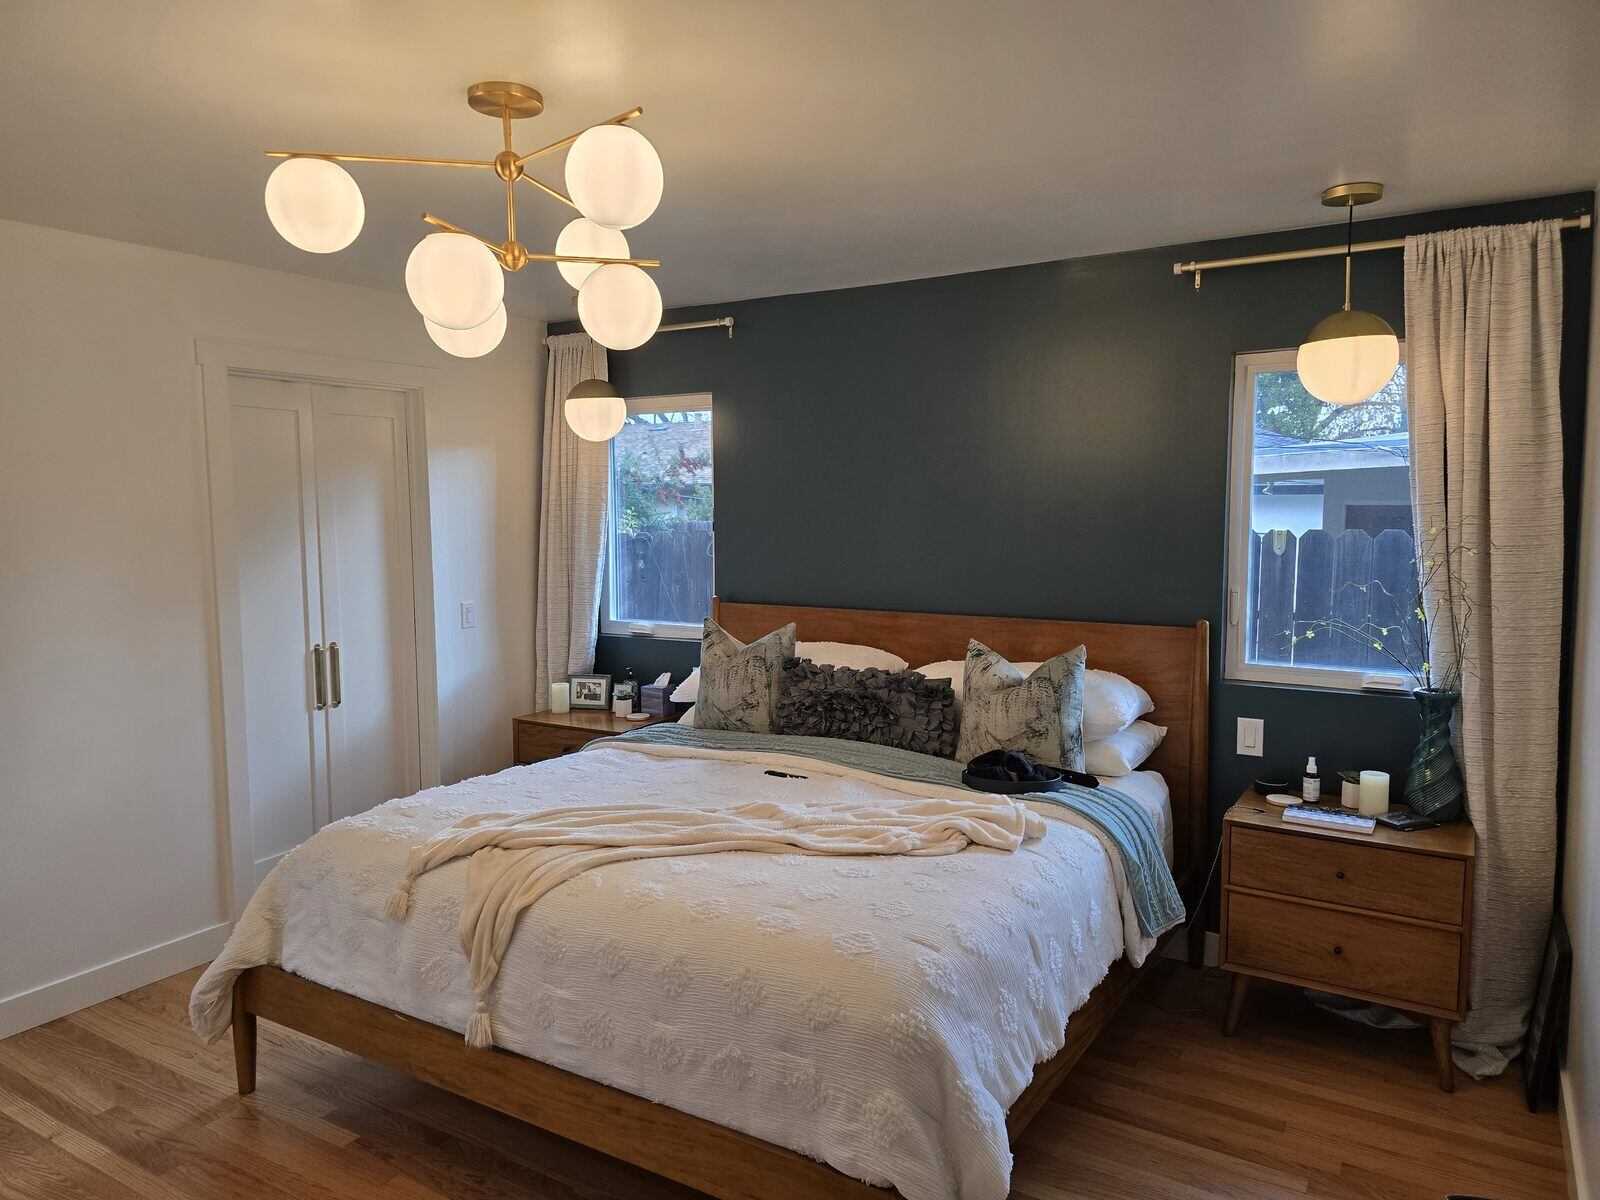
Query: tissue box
{"points": [[656, 699]]}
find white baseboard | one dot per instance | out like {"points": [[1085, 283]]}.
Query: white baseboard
{"points": [[1572, 1144], [51, 1000], [1178, 948]]}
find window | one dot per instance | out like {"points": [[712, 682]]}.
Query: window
{"points": [[658, 540], [1320, 533]]}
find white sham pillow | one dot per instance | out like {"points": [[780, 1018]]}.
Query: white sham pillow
{"points": [[688, 716], [688, 691], [1111, 702], [1124, 751], [845, 654], [825, 654]]}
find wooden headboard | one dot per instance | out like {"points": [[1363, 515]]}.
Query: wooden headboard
{"points": [[1171, 662]]}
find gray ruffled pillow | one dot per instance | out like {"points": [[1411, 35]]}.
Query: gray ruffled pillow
{"points": [[739, 683], [1040, 715], [887, 708]]}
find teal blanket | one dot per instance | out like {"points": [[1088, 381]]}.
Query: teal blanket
{"points": [[1126, 826]]}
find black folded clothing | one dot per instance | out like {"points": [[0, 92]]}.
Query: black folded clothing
{"points": [[1010, 773]]}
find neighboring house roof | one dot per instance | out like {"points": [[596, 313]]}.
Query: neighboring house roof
{"points": [[1278, 454], [657, 446]]}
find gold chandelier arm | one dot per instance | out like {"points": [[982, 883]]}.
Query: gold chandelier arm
{"points": [[550, 191], [441, 223], [591, 258], [381, 158], [619, 119]]}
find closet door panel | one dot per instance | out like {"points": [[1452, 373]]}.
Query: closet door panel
{"points": [[364, 521], [279, 611]]}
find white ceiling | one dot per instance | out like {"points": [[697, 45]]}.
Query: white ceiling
{"points": [[808, 144]]}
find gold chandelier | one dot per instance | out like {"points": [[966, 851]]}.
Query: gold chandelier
{"points": [[454, 276]]}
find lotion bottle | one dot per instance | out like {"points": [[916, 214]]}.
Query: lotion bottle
{"points": [[1311, 785]]}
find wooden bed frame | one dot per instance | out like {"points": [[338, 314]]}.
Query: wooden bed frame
{"points": [[1170, 662]]}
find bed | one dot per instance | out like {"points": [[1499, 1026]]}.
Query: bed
{"points": [[642, 999]]}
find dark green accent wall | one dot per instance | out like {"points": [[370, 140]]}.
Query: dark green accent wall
{"points": [[1041, 441]]}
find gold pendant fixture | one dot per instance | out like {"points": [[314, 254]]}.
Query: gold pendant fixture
{"points": [[453, 276], [1348, 357]]}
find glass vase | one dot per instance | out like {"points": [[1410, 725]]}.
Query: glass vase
{"points": [[1433, 785]]}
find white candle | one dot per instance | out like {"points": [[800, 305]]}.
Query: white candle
{"points": [[1374, 793], [560, 698]]}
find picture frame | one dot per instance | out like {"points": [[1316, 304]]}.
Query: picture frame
{"points": [[590, 691]]}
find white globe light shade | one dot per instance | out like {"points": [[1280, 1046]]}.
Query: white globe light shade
{"points": [[469, 343], [1348, 357], [619, 306], [584, 237], [314, 204], [595, 411], [454, 280], [614, 176]]}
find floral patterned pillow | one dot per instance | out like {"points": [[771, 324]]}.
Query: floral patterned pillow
{"points": [[739, 683], [1040, 715]]}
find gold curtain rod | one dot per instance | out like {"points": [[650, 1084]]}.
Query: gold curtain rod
{"points": [[718, 323], [1250, 260]]}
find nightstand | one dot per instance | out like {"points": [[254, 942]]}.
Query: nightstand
{"points": [[541, 735], [1385, 916]]}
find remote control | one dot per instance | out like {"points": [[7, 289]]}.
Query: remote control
{"points": [[1327, 819]]}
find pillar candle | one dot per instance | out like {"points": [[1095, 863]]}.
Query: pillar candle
{"points": [[560, 698], [1374, 793]]}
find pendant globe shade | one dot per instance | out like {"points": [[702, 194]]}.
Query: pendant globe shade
{"points": [[614, 176], [595, 410], [1348, 357], [454, 280], [469, 343], [583, 238], [619, 306], [314, 204]]}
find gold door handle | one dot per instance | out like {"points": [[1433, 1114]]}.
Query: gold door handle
{"points": [[338, 676], [320, 677]]}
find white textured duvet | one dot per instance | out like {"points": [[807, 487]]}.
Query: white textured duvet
{"points": [[879, 1014]]}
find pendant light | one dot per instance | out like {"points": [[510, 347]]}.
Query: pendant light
{"points": [[1348, 357], [595, 410]]}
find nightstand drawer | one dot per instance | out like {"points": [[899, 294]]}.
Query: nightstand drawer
{"points": [[535, 743], [1345, 951], [1320, 868]]}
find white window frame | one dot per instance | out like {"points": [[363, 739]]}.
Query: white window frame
{"points": [[684, 402], [1241, 475]]}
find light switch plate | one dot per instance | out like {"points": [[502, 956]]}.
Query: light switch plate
{"points": [[1252, 736], [469, 614]]}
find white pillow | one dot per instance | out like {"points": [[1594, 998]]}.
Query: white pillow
{"points": [[688, 716], [688, 691], [1111, 702], [844, 654], [1124, 751]]}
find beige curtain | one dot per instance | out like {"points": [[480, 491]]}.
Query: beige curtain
{"points": [[1483, 352], [573, 495]]}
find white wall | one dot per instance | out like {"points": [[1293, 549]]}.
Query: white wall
{"points": [[112, 841], [1580, 894]]}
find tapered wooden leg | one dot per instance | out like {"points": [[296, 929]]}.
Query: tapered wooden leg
{"points": [[1440, 1027], [1230, 1022], [244, 1042]]}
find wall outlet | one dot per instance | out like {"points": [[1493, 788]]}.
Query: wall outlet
{"points": [[1252, 736], [469, 614]]}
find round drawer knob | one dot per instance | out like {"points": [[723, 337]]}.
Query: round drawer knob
{"points": [[1338, 949], [1338, 874]]}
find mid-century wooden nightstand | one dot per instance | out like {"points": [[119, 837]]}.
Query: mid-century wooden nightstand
{"points": [[541, 735], [1385, 916]]}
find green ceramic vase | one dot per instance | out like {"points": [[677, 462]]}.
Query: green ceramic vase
{"points": [[1433, 786]]}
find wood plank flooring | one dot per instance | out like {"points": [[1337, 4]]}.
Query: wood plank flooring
{"points": [[120, 1100]]}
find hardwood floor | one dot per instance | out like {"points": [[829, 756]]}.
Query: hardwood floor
{"points": [[120, 1100]]}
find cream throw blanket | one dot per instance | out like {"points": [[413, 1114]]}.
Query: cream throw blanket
{"points": [[518, 857]]}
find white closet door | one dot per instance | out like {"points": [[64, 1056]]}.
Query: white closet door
{"points": [[364, 524], [280, 611]]}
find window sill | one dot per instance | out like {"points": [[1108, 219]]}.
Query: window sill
{"points": [[654, 632]]}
